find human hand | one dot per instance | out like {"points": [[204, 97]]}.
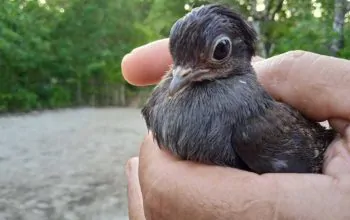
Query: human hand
{"points": [[316, 85]]}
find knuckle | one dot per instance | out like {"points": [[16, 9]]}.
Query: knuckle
{"points": [[157, 196], [295, 53], [153, 205]]}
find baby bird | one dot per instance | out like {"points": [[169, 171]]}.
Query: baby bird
{"points": [[210, 108]]}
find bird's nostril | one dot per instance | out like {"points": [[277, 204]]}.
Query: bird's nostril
{"points": [[185, 72]]}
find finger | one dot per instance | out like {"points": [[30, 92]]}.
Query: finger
{"points": [[147, 64], [315, 84], [151, 157], [337, 158], [135, 201], [347, 135], [179, 190], [181, 181], [257, 59], [340, 125]]}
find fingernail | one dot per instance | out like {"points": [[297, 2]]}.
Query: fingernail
{"points": [[347, 133], [340, 125], [131, 165], [344, 128], [139, 48], [343, 152], [125, 58]]}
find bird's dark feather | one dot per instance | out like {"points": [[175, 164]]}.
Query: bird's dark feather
{"points": [[232, 121], [208, 20], [221, 121]]}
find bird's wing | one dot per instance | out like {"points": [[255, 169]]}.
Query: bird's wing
{"points": [[280, 140]]}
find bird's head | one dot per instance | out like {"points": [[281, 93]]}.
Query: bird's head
{"points": [[210, 42]]}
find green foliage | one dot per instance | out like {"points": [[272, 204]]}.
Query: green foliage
{"points": [[345, 52], [303, 36], [20, 99], [65, 53], [60, 53], [289, 26]]}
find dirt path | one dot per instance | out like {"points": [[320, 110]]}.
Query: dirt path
{"points": [[67, 164]]}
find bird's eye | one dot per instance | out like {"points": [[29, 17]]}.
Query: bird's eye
{"points": [[222, 49]]}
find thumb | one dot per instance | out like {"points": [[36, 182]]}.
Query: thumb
{"points": [[135, 201], [337, 158], [340, 125]]}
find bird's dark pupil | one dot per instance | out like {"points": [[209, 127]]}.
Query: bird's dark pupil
{"points": [[221, 50]]}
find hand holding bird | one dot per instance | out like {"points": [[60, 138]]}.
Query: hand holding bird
{"points": [[157, 179], [228, 193]]}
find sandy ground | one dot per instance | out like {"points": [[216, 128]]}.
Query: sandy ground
{"points": [[67, 164]]}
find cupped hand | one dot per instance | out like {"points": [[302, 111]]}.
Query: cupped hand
{"points": [[172, 189]]}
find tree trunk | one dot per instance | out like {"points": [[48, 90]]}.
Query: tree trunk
{"points": [[93, 92], [340, 9], [260, 19], [106, 95], [115, 95], [79, 92], [261, 41], [122, 95], [119, 95]]}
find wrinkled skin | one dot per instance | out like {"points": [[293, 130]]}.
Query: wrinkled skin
{"points": [[163, 187]]}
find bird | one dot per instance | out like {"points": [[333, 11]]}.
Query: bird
{"points": [[210, 108]]}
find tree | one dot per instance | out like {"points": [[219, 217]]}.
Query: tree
{"points": [[341, 7], [61, 53]]}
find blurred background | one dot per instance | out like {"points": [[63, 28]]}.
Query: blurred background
{"points": [[69, 121]]}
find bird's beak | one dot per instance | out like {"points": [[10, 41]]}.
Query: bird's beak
{"points": [[181, 77]]}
